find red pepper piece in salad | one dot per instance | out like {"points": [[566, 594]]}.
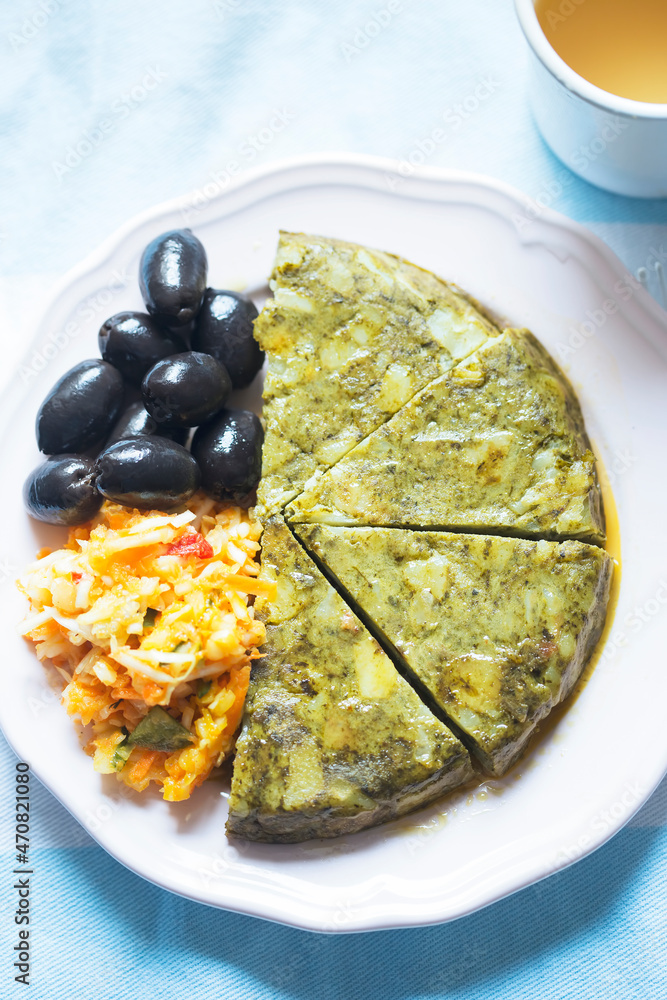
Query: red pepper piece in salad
{"points": [[191, 544]]}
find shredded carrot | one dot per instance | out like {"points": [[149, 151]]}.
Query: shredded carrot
{"points": [[238, 683], [142, 766], [250, 585], [124, 694], [153, 693]]}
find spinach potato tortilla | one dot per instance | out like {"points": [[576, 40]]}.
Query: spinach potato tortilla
{"points": [[393, 407], [495, 629], [496, 444], [335, 740], [350, 335]]}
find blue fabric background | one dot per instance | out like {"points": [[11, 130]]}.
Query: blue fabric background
{"points": [[183, 89]]}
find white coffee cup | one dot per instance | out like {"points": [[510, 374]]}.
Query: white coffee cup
{"points": [[614, 142]]}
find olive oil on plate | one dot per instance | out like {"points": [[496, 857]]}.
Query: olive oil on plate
{"points": [[617, 45]]}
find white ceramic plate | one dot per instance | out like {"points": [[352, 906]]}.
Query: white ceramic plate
{"points": [[607, 752]]}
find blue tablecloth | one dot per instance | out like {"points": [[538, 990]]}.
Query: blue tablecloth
{"points": [[164, 95]]}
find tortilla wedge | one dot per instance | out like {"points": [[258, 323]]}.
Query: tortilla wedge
{"points": [[351, 334], [333, 739], [494, 631], [498, 444]]}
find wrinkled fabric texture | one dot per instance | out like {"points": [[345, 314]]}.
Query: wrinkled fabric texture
{"points": [[107, 109]]}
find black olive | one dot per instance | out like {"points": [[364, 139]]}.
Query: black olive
{"points": [[133, 342], [182, 333], [148, 473], [81, 408], [186, 389], [224, 330], [136, 421], [172, 277], [228, 450], [62, 490]]}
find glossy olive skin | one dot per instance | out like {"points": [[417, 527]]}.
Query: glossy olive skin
{"points": [[80, 409], [186, 389], [132, 342], [62, 490], [136, 421], [223, 329], [228, 450], [150, 473], [172, 277]]}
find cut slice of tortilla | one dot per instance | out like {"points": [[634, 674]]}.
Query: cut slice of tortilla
{"points": [[351, 334], [498, 444], [495, 630], [333, 739]]}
